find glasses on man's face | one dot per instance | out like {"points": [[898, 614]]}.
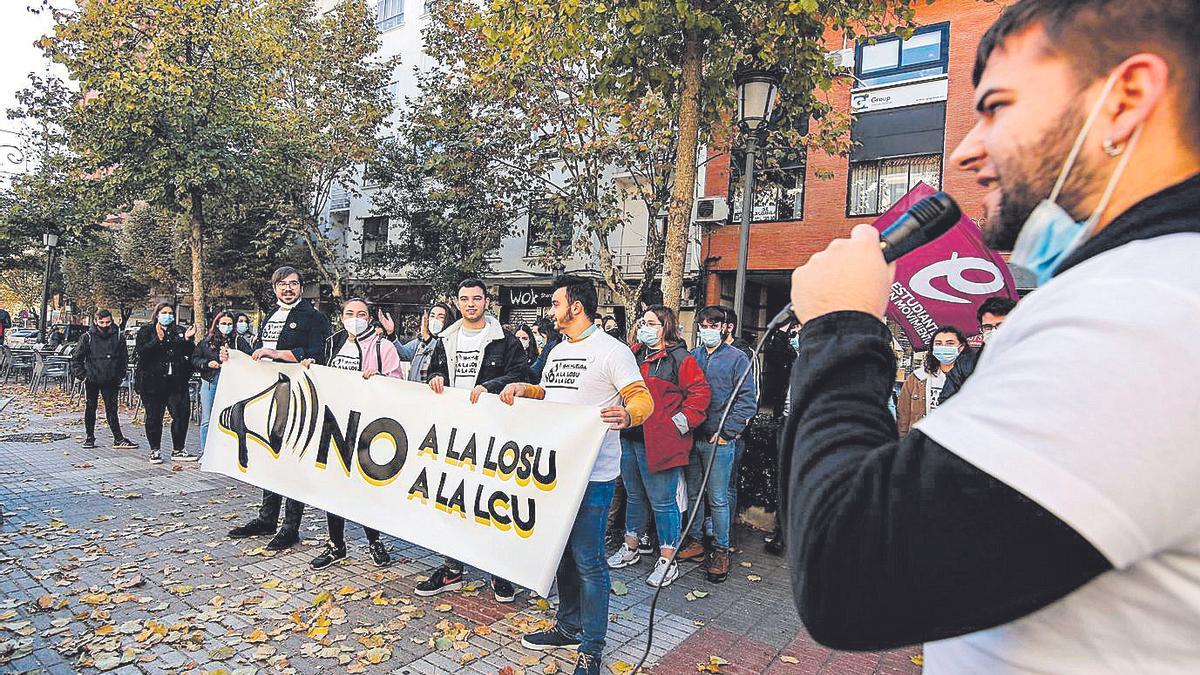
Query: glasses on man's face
{"points": [[988, 327], [287, 284]]}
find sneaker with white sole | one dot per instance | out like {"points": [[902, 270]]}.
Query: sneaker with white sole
{"points": [[644, 546], [125, 444], [664, 574], [182, 456], [551, 638], [155, 456], [624, 557]]}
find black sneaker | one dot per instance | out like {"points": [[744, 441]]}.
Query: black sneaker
{"points": [[644, 547], [587, 665], [254, 528], [442, 580], [283, 539], [124, 444], [552, 638], [379, 554], [155, 456], [329, 556], [88, 443], [503, 590], [182, 456]]}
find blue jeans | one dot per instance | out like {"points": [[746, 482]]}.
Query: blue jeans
{"points": [[656, 487], [717, 490], [583, 583], [735, 475], [208, 392]]}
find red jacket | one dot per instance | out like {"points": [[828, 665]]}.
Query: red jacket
{"points": [[676, 384]]}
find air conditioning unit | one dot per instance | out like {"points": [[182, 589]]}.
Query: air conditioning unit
{"points": [[842, 58], [710, 210]]}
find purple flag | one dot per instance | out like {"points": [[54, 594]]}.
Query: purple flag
{"points": [[943, 282]]}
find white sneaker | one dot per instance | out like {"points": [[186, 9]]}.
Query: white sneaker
{"points": [[663, 574], [624, 557]]}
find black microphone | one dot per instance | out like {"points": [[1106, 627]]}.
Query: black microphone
{"points": [[923, 222]]}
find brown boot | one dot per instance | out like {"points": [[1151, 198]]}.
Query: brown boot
{"points": [[691, 550], [718, 565]]}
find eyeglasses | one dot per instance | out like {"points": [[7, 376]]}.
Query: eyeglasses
{"points": [[287, 284], [988, 327]]}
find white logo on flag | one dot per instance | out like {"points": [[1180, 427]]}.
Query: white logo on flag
{"points": [[952, 270]]}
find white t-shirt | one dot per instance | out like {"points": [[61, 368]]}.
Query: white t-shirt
{"points": [[933, 389], [273, 327], [349, 357], [468, 354], [1088, 402], [593, 371]]}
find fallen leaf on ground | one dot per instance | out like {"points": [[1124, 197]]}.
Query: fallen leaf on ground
{"points": [[619, 588], [789, 659]]}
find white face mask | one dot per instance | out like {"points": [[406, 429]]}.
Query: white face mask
{"points": [[1050, 234], [435, 326], [354, 325]]}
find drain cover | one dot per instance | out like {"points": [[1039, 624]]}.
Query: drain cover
{"points": [[33, 438]]}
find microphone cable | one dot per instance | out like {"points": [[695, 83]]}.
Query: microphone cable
{"points": [[775, 323]]}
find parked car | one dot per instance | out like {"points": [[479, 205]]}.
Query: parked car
{"points": [[21, 337]]}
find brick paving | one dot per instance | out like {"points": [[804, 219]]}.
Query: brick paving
{"points": [[108, 563]]}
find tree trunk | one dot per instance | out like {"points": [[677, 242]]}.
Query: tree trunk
{"points": [[196, 229], [679, 212]]}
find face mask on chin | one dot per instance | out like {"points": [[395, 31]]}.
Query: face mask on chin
{"points": [[1050, 233]]}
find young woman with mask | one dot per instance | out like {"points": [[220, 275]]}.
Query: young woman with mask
{"points": [[207, 360], [243, 334], [654, 455], [545, 335], [164, 366], [923, 388], [359, 348], [525, 334], [418, 350]]}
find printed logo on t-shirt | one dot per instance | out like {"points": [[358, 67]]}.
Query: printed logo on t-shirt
{"points": [[466, 367], [565, 373], [935, 395], [346, 362], [271, 331]]}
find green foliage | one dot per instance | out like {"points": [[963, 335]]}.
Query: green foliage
{"points": [[207, 107], [493, 137], [96, 276]]}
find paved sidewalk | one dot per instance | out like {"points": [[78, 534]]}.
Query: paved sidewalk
{"points": [[109, 563]]}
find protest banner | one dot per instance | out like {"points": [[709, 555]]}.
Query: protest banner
{"points": [[943, 282], [495, 486]]}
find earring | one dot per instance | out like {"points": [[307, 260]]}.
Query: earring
{"points": [[1111, 149]]}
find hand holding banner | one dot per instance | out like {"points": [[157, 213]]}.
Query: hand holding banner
{"points": [[493, 485]]}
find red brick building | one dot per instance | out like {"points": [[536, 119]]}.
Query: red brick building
{"points": [[913, 104]]}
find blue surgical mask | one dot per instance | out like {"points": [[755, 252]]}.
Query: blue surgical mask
{"points": [[710, 337], [794, 341], [647, 336], [225, 329], [243, 327], [945, 354], [1050, 234], [166, 319]]}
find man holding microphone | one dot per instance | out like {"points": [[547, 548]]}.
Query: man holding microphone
{"points": [[1046, 519]]}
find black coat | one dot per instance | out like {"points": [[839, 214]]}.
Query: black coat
{"points": [[100, 359], [504, 362], [163, 365], [304, 334], [963, 367], [209, 350]]}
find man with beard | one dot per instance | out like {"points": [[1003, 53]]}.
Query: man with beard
{"points": [[1045, 519], [294, 332]]}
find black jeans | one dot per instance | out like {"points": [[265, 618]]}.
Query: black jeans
{"points": [[93, 392], [337, 531], [269, 511], [159, 402]]}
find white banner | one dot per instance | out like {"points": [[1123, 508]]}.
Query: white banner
{"points": [[495, 486]]}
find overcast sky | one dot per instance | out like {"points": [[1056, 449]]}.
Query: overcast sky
{"points": [[19, 28]]}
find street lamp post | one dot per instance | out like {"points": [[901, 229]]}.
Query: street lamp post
{"points": [[757, 92], [50, 239]]}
